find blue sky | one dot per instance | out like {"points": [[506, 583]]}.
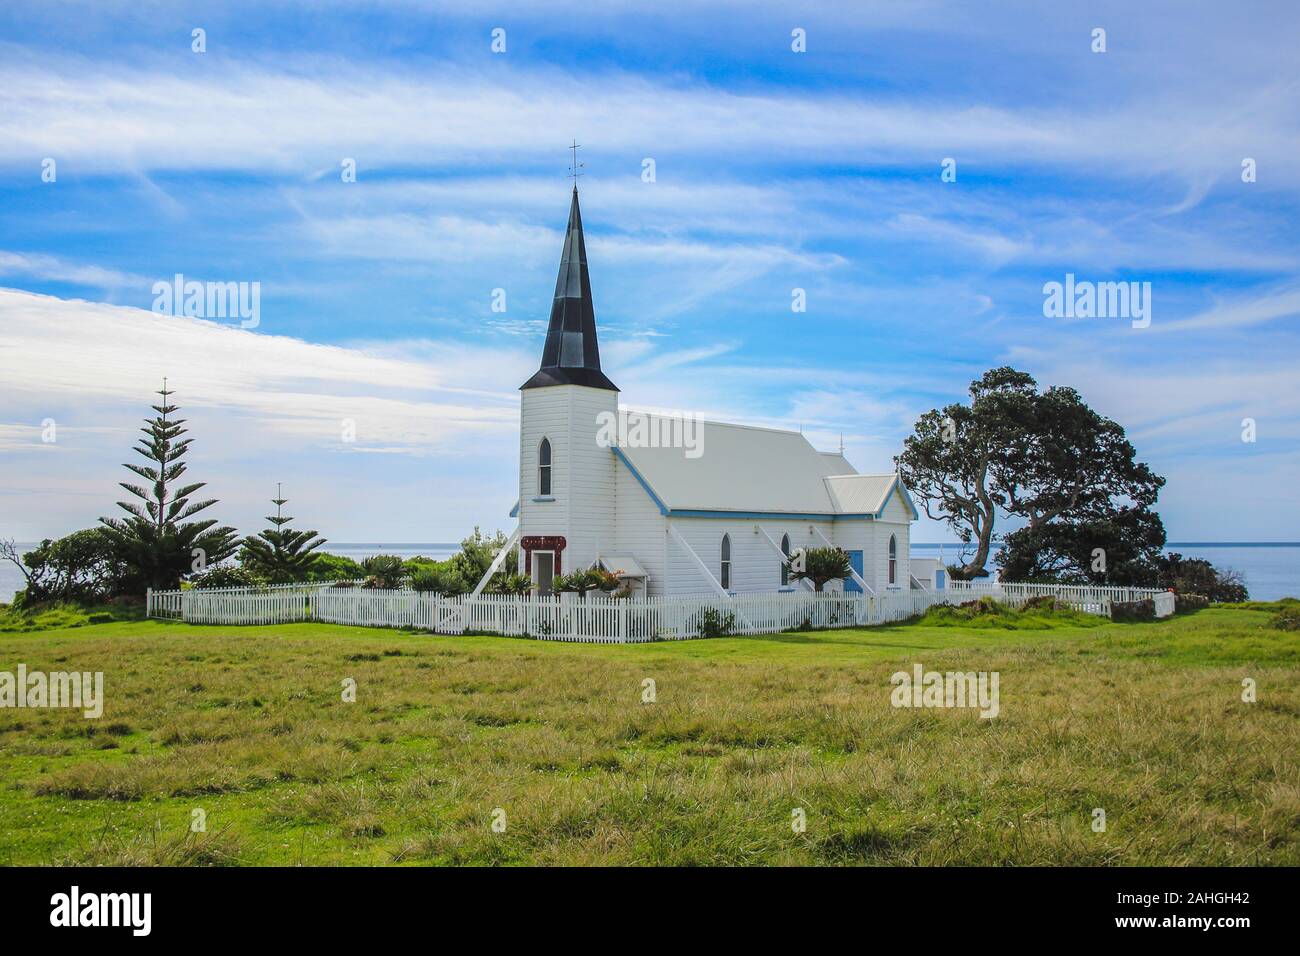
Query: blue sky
{"points": [[775, 170]]}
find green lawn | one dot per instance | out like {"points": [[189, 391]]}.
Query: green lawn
{"points": [[248, 724]]}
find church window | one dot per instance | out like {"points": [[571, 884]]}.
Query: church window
{"points": [[726, 562], [544, 467]]}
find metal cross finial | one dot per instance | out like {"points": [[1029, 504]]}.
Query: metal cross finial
{"points": [[573, 170]]}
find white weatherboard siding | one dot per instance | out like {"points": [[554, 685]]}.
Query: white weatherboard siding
{"points": [[582, 472], [754, 565], [640, 530]]}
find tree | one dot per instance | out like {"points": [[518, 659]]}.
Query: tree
{"points": [[949, 463], [80, 567], [1116, 550], [155, 542], [1069, 474], [1072, 463], [822, 565], [278, 554]]}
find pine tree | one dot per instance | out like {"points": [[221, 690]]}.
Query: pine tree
{"points": [[155, 543], [279, 554]]}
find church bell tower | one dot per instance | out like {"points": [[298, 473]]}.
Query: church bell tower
{"points": [[566, 477]]}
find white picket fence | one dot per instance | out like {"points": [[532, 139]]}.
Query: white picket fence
{"points": [[598, 618]]}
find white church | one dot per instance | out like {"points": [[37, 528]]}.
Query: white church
{"points": [[720, 517]]}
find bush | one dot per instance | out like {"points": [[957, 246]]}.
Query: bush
{"points": [[823, 565], [1190, 602], [441, 578], [1039, 613], [1288, 619], [1144, 610], [710, 622], [335, 567], [384, 571], [591, 579], [1195, 576], [227, 576], [503, 583]]}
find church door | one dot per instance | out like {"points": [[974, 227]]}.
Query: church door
{"points": [[543, 570], [855, 561]]}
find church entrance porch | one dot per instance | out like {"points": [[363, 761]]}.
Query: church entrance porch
{"points": [[543, 555]]}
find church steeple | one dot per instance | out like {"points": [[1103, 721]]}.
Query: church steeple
{"points": [[571, 355]]}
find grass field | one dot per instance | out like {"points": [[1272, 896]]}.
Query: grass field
{"points": [[1145, 721]]}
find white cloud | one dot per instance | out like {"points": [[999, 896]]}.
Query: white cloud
{"points": [[54, 269], [302, 111]]}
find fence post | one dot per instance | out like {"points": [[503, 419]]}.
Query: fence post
{"points": [[148, 602]]}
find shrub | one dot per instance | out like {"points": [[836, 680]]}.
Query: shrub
{"points": [[1144, 610], [503, 583], [1288, 619], [1191, 602], [710, 622], [425, 580], [988, 614], [591, 579], [440, 577], [822, 565], [383, 571], [335, 567], [227, 576], [1196, 576]]}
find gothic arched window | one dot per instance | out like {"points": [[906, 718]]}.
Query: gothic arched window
{"points": [[544, 467], [725, 567]]}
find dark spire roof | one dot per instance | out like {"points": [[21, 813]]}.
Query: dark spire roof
{"points": [[571, 355]]}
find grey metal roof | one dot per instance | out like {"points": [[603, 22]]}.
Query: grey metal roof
{"points": [[746, 469], [571, 355]]}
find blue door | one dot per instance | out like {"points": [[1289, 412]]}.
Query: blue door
{"points": [[938, 579], [855, 559]]}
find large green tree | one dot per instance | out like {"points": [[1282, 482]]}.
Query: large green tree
{"points": [[1049, 463], [155, 542], [951, 462], [281, 555]]}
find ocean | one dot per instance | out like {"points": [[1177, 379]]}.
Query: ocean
{"points": [[1271, 570]]}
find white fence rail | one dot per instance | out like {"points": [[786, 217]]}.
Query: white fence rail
{"points": [[598, 618]]}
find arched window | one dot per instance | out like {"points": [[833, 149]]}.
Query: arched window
{"points": [[544, 467], [893, 559], [785, 565], [726, 562]]}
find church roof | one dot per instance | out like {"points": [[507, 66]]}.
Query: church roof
{"points": [[742, 469], [571, 355]]}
